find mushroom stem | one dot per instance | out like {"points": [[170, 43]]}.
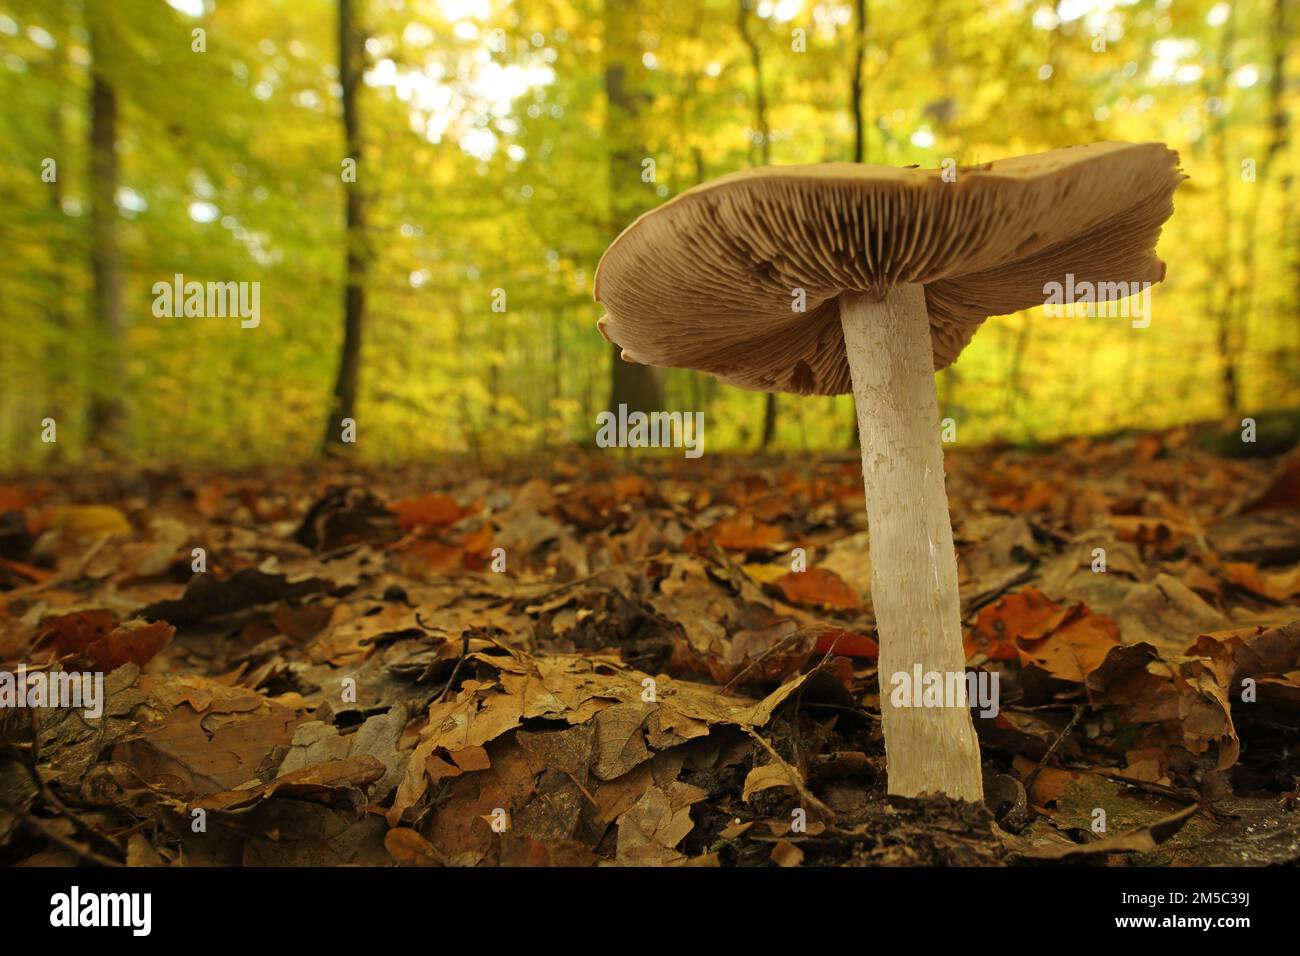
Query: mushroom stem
{"points": [[930, 749]]}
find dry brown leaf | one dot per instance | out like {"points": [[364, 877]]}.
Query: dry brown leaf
{"points": [[428, 510], [817, 586], [785, 853], [765, 777], [410, 849], [743, 532]]}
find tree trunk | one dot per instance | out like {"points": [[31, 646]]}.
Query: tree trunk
{"points": [[59, 369], [1014, 387], [344, 404], [1228, 324], [856, 82], [106, 413], [765, 159], [1278, 139], [639, 387]]}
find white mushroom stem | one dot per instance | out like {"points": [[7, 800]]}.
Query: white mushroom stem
{"points": [[929, 749]]}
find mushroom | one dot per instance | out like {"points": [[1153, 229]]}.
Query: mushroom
{"points": [[826, 279]]}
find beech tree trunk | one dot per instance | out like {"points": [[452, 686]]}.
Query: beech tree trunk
{"points": [[344, 403], [639, 387], [1278, 140], [60, 369], [764, 158], [856, 82], [1227, 321], [106, 412]]}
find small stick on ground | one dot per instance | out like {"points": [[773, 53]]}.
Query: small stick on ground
{"points": [[798, 701], [827, 814], [460, 661], [662, 555], [779, 645], [1033, 774], [54, 836], [25, 757]]}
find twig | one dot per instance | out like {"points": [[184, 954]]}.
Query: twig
{"points": [[28, 763], [460, 662], [55, 837], [1033, 774], [804, 793], [591, 577], [798, 700], [856, 711], [779, 645], [1174, 793]]}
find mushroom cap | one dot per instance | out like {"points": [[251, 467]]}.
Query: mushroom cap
{"points": [[709, 280]]}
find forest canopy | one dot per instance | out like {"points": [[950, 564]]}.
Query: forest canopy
{"points": [[419, 192]]}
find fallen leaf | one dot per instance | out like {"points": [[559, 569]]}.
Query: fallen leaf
{"points": [[429, 510], [742, 532], [84, 521], [766, 777], [410, 849], [817, 586], [785, 853]]}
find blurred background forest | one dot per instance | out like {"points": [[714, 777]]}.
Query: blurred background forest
{"points": [[443, 298]]}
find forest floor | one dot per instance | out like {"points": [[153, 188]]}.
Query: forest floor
{"points": [[601, 660]]}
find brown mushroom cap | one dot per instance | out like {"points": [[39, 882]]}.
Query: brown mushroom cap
{"points": [[707, 280]]}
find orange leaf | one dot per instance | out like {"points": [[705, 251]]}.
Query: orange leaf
{"points": [[1284, 492], [1148, 529], [1279, 585], [1027, 614], [135, 641], [73, 633], [741, 532], [92, 636], [28, 571], [479, 543], [817, 586], [630, 486], [13, 498], [1036, 496], [441, 558], [846, 644], [1076, 648], [433, 509]]}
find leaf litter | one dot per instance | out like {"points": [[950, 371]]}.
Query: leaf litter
{"points": [[672, 666]]}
